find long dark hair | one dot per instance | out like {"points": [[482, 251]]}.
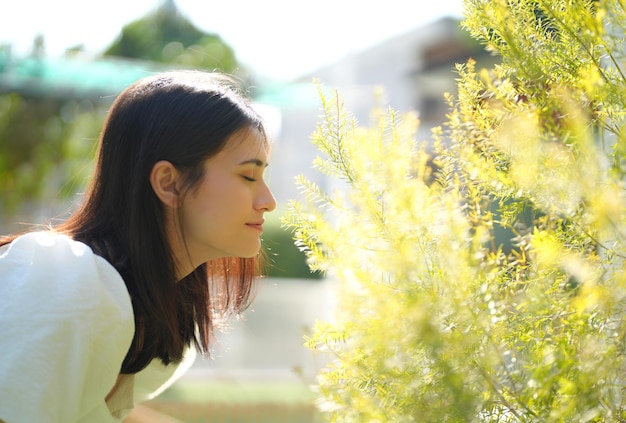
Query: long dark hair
{"points": [[183, 117]]}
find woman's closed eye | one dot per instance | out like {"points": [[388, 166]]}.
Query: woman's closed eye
{"points": [[248, 178]]}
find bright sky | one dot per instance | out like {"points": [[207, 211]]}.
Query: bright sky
{"points": [[278, 39]]}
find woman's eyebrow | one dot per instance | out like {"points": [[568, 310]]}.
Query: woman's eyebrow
{"points": [[256, 162]]}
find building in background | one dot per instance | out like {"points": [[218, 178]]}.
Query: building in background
{"points": [[414, 70]]}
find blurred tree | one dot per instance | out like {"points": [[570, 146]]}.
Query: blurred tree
{"points": [[46, 142], [436, 321], [166, 36], [35, 174]]}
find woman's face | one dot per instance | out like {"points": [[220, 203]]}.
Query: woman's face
{"points": [[222, 215]]}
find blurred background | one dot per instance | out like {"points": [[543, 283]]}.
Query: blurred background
{"points": [[62, 63]]}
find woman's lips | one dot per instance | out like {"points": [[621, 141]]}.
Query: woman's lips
{"points": [[256, 225]]}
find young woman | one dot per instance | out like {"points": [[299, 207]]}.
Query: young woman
{"points": [[99, 312]]}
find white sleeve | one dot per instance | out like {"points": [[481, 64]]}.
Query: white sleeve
{"points": [[66, 323]]}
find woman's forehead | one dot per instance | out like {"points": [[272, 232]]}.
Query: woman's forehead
{"points": [[248, 138], [248, 143]]}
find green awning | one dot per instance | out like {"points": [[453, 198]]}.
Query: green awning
{"points": [[71, 77]]}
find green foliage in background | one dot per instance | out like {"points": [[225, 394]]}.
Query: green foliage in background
{"points": [[437, 322], [46, 149], [284, 259]]}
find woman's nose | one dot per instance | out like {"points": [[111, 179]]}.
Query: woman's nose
{"points": [[265, 200]]}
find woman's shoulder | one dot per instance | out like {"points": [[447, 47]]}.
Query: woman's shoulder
{"points": [[50, 263], [31, 244], [65, 314]]}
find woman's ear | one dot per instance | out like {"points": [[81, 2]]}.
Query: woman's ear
{"points": [[164, 179]]}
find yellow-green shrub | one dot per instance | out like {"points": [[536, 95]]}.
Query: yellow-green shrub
{"points": [[435, 321]]}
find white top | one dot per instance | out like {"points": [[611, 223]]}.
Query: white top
{"points": [[66, 323]]}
